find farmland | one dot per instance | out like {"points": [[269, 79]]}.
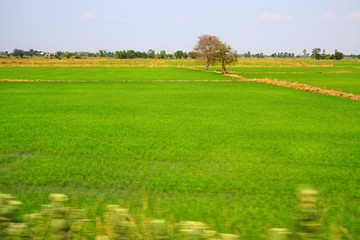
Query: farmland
{"points": [[107, 74], [343, 78], [182, 144]]}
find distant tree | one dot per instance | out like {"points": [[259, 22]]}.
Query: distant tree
{"points": [[351, 55], [338, 55], [122, 54], [90, 54], [102, 53], [151, 54], [3, 53], [130, 54], [18, 53], [32, 52], [162, 54], [247, 55], [206, 49], [68, 54], [226, 55], [141, 54], [179, 54], [191, 55], [316, 53], [324, 55], [304, 52], [59, 54], [110, 54], [259, 55]]}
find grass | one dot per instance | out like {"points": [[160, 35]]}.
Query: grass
{"points": [[226, 153], [107, 74], [111, 62], [332, 75], [340, 76]]}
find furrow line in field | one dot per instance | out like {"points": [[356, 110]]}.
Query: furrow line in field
{"points": [[298, 86], [293, 85]]}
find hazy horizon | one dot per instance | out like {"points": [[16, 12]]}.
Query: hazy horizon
{"points": [[258, 26]]}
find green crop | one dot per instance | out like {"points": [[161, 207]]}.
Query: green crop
{"points": [[337, 77], [106, 74], [226, 153], [229, 154]]}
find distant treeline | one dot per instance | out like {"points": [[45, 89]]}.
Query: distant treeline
{"points": [[123, 54], [316, 53]]}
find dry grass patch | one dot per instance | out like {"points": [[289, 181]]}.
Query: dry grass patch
{"points": [[93, 62]]}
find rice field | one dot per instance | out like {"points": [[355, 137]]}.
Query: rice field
{"points": [[107, 74], [337, 76], [209, 149]]}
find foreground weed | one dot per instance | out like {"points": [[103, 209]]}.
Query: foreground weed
{"points": [[58, 221]]}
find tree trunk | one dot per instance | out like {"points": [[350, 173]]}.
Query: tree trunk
{"points": [[223, 66], [207, 63]]}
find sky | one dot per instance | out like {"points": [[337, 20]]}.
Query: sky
{"points": [[258, 26]]}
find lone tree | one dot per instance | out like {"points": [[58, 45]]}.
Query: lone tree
{"points": [[207, 49], [226, 55], [210, 50]]}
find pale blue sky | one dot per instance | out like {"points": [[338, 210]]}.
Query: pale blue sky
{"points": [[266, 26]]}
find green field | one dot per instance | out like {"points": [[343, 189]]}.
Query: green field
{"points": [[106, 74], [230, 154], [338, 76]]}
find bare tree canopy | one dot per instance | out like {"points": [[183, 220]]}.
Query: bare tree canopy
{"points": [[206, 49], [210, 49]]}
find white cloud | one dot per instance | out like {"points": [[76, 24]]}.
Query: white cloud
{"points": [[88, 15], [271, 17], [354, 16]]}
